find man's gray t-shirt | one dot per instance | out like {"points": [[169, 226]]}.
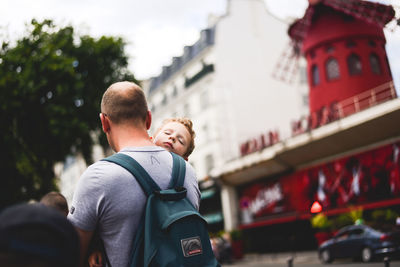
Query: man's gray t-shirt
{"points": [[108, 197]]}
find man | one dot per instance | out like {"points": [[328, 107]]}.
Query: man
{"points": [[108, 198]]}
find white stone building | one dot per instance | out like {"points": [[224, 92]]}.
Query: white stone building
{"points": [[224, 84]]}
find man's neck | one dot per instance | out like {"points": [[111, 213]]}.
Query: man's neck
{"points": [[131, 138]]}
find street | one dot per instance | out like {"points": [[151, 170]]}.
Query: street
{"points": [[334, 264], [303, 259]]}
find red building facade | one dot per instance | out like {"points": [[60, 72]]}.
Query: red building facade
{"points": [[370, 179], [348, 72], [344, 49]]}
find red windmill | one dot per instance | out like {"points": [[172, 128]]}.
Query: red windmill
{"points": [[344, 45]]}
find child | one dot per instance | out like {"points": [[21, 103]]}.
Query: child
{"points": [[175, 135]]}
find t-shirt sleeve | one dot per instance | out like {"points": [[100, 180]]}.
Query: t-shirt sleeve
{"points": [[87, 201]]}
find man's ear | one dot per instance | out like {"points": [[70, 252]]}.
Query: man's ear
{"points": [[148, 120], [104, 123], [185, 158]]}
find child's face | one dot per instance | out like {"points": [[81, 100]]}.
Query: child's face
{"points": [[174, 137]]}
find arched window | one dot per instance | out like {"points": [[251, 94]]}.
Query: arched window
{"points": [[354, 64], [375, 64], [371, 43], [350, 44], [332, 69], [329, 49], [315, 75]]}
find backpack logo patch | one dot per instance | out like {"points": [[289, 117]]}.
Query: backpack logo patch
{"points": [[191, 246]]}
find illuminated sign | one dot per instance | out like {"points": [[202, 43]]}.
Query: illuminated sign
{"points": [[259, 143]]}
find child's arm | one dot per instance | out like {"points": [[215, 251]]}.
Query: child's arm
{"points": [[95, 259]]}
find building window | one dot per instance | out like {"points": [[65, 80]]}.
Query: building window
{"points": [[332, 69], [306, 100], [204, 100], [375, 65], [315, 75], [203, 72], [303, 74], [209, 163], [329, 49], [371, 43], [186, 110], [164, 100], [175, 91], [350, 44], [354, 64], [205, 131], [153, 108]]}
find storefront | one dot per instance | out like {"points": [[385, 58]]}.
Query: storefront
{"points": [[280, 207], [210, 206]]}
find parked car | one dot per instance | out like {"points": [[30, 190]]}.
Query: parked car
{"points": [[359, 242]]}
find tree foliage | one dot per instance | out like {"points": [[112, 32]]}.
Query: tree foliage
{"points": [[51, 83]]}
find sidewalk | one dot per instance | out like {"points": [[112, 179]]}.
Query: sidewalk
{"points": [[278, 259]]}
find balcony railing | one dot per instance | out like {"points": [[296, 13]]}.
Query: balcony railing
{"points": [[344, 108], [367, 99], [203, 72]]}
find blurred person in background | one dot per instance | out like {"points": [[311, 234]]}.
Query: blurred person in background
{"points": [[55, 200], [34, 235]]}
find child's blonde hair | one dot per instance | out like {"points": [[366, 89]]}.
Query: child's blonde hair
{"points": [[189, 126]]}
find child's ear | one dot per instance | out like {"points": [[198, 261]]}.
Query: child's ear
{"points": [[185, 158]]}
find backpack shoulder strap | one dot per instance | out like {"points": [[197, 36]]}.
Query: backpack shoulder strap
{"points": [[146, 182], [178, 171]]}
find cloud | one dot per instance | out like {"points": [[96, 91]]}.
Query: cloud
{"points": [[156, 30], [156, 45], [393, 52]]}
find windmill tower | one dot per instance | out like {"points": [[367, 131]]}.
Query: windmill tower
{"points": [[344, 45]]}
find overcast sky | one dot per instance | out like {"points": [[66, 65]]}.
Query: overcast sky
{"points": [[156, 30]]}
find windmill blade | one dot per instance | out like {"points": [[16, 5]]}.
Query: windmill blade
{"points": [[395, 25], [287, 66]]}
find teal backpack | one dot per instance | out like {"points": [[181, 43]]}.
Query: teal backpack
{"points": [[172, 232]]}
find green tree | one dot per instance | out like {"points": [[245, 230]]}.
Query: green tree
{"points": [[51, 83]]}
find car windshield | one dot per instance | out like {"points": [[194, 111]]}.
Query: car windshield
{"points": [[342, 231], [373, 232], [357, 231]]}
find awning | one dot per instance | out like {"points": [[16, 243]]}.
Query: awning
{"points": [[287, 218]]}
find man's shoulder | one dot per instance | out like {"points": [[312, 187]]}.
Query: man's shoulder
{"points": [[101, 169]]}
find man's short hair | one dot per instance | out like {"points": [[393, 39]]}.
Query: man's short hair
{"points": [[39, 234], [123, 102], [56, 201]]}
